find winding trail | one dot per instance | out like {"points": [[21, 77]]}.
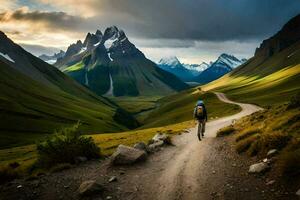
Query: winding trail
{"points": [[183, 180]]}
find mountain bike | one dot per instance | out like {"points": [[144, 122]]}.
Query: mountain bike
{"points": [[200, 131]]}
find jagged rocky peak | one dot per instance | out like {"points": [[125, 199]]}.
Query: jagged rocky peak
{"points": [[74, 48], [91, 40], [287, 36], [99, 33]]}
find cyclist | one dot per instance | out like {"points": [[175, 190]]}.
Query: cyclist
{"points": [[200, 115]]}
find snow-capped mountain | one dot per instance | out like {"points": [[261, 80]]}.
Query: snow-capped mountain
{"points": [[171, 61], [51, 59], [196, 69], [224, 64], [228, 61], [174, 66], [109, 64]]}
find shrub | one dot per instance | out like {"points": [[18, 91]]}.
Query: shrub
{"points": [[246, 133], [225, 131], [243, 145], [65, 146], [294, 102], [8, 173]]}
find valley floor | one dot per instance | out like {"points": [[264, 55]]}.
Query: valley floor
{"points": [[210, 169]]}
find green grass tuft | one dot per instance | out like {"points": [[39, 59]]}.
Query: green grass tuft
{"points": [[225, 131]]}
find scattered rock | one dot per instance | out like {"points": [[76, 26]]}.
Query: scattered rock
{"points": [[161, 137], [141, 146], [265, 160], [90, 187], [298, 193], [125, 155], [19, 186], [271, 153], [155, 146], [112, 179], [270, 182], [258, 167], [109, 197]]}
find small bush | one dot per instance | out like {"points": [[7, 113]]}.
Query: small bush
{"points": [[246, 133], [225, 131], [65, 146], [8, 173], [243, 145], [294, 102]]}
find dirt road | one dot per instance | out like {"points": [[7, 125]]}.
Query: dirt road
{"points": [[210, 169]]}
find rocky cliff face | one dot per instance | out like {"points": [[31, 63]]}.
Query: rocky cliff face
{"points": [[288, 35]]}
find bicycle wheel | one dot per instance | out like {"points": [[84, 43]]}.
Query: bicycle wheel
{"points": [[199, 132]]}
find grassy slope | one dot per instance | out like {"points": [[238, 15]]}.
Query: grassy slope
{"points": [[109, 141], [136, 104], [264, 82], [32, 109], [179, 108], [274, 128]]}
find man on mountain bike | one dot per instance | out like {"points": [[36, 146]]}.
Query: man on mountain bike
{"points": [[200, 115]]}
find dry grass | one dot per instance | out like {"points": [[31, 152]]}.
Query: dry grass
{"points": [[244, 145], [246, 133], [225, 131]]}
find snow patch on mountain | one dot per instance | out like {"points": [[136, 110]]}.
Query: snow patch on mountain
{"points": [[109, 57], [171, 61], [7, 57], [108, 43]]}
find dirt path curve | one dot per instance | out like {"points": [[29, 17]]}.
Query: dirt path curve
{"points": [[182, 179]]}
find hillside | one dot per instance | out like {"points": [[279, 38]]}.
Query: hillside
{"points": [[109, 64], [267, 78], [36, 99]]}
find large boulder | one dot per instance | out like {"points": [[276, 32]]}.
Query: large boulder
{"points": [[126, 155], [258, 167], [91, 187]]}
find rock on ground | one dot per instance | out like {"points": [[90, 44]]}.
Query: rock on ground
{"points": [[161, 137], [298, 193], [271, 153], [258, 167], [141, 146], [90, 187], [125, 155]]}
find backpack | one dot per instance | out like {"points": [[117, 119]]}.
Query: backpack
{"points": [[199, 111]]}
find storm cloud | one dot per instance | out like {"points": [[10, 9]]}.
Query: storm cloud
{"points": [[154, 25]]}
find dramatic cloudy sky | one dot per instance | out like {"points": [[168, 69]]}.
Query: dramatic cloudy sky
{"points": [[193, 30]]}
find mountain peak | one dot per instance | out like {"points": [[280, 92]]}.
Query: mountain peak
{"points": [[171, 61]]}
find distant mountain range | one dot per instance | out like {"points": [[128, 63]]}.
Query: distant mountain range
{"points": [[109, 64], [51, 59], [224, 64], [174, 66], [202, 73]]}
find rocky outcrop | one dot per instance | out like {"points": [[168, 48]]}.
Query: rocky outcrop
{"points": [[126, 155], [288, 35]]}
